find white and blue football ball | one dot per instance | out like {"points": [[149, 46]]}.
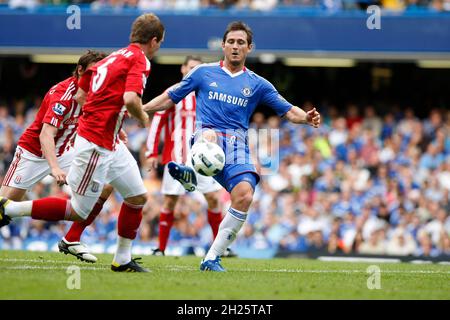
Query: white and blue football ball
{"points": [[207, 158]]}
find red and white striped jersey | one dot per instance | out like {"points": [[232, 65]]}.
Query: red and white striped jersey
{"points": [[179, 125], [125, 70], [58, 109]]}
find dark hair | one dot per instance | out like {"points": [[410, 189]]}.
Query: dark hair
{"points": [[89, 57], [146, 27], [192, 58], [239, 26]]}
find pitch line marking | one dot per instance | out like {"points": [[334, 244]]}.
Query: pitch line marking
{"points": [[188, 268]]}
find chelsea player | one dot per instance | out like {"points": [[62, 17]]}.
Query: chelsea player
{"points": [[227, 95]]}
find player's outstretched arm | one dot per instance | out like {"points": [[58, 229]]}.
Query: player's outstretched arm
{"points": [[47, 139], [160, 103], [133, 103], [299, 116]]}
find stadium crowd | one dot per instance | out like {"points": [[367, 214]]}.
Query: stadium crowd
{"points": [[256, 5], [362, 183]]}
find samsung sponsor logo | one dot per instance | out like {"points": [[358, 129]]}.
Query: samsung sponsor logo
{"points": [[227, 98]]}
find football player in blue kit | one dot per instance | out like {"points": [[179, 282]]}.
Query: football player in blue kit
{"points": [[227, 95]]}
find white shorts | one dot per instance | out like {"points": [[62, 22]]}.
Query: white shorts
{"points": [[94, 166], [205, 184], [27, 169]]}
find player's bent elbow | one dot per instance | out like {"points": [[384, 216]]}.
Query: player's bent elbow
{"points": [[129, 98]]}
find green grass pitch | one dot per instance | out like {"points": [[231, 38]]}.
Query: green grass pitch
{"points": [[43, 275]]}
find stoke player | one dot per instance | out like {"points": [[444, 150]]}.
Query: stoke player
{"points": [[227, 95], [178, 123], [106, 91], [45, 148]]}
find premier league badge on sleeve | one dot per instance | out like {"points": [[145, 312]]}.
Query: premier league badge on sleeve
{"points": [[59, 109]]}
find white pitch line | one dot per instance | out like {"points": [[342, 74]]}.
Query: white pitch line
{"points": [[29, 267], [41, 261], [186, 268], [176, 268], [352, 271]]}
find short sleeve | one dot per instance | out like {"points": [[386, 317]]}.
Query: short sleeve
{"points": [[60, 104], [137, 75], [271, 98], [189, 83]]}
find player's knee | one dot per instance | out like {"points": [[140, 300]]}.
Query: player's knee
{"points": [[139, 200], [80, 208], [243, 198], [75, 216]]}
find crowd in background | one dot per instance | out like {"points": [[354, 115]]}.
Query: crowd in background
{"points": [[361, 183], [256, 5]]}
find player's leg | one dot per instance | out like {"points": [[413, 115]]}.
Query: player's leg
{"points": [[166, 218], [171, 190], [125, 177], [242, 188], [70, 243], [210, 189], [86, 179], [25, 171], [77, 228], [214, 213], [12, 193]]}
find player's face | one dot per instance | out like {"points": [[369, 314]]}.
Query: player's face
{"points": [[236, 47], [189, 66]]}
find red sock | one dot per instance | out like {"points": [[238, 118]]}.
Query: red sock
{"points": [[214, 219], [50, 209], [130, 217], [165, 224], [77, 228]]}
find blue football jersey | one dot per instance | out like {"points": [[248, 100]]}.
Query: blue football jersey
{"points": [[226, 101]]}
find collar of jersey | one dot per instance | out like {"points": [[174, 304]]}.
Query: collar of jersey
{"points": [[233, 75]]}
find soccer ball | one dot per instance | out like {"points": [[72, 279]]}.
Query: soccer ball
{"points": [[207, 158]]}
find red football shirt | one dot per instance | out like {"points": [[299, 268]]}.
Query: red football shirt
{"points": [[103, 113], [178, 123], [61, 111]]}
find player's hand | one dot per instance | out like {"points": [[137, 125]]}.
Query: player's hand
{"points": [[145, 120], [60, 176], [313, 118], [151, 163], [123, 136]]}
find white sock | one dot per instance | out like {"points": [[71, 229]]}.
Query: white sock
{"points": [[228, 229], [18, 209], [123, 251]]}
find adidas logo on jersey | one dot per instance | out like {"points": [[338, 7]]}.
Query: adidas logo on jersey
{"points": [[213, 84]]}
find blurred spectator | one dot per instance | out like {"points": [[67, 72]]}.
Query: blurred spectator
{"points": [[374, 245], [401, 243]]}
